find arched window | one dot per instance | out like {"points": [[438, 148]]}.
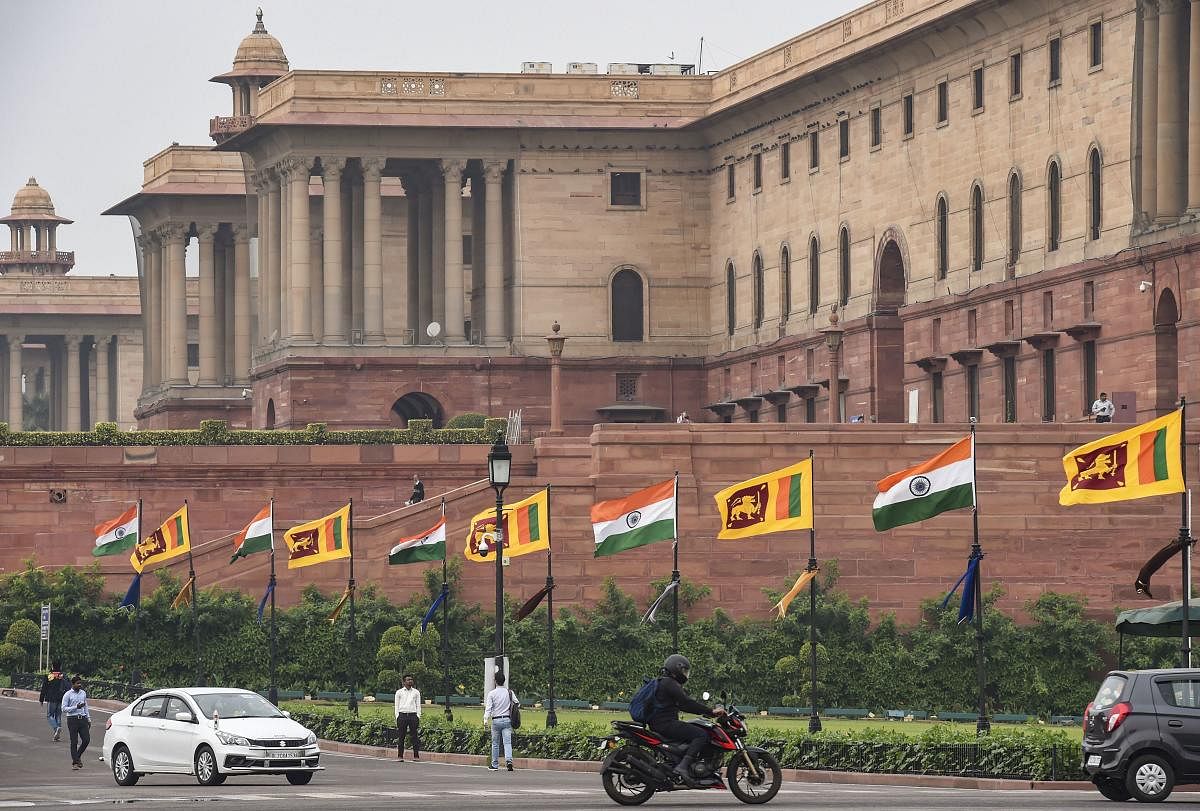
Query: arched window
{"points": [[1094, 193], [943, 237], [1014, 218], [1054, 204], [627, 306], [730, 299], [844, 266], [785, 284], [759, 289], [814, 275], [976, 227]]}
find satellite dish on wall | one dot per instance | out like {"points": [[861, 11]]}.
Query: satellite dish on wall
{"points": [[434, 329]]}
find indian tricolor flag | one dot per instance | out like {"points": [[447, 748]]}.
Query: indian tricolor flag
{"points": [[257, 536], [945, 482], [117, 535], [429, 545], [644, 517]]}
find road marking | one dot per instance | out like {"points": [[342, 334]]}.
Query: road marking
{"points": [[554, 791], [329, 796], [483, 792], [263, 798], [15, 804], [400, 794]]}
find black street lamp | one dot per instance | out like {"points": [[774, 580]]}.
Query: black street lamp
{"points": [[499, 473]]}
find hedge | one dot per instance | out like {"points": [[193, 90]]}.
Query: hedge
{"points": [[217, 432]]}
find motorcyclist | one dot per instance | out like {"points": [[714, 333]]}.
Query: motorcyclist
{"points": [[669, 700]]}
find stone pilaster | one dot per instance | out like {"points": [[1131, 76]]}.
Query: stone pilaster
{"points": [[1172, 110], [208, 322], [333, 279], [262, 185], [241, 304], [274, 244], [412, 250], [71, 342], [1193, 196], [372, 251], [316, 293], [425, 257], [176, 319], [102, 412], [1149, 111], [493, 230], [151, 318], [16, 404], [437, 248], [299, 250], [452, 178], [164, 310]]}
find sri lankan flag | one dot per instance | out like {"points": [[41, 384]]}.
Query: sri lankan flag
{"points": [[774, 502], [1142, 461], [526, 529], [318, 541], [170, 540]]}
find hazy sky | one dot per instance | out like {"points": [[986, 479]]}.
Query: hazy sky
{"points": [[94, 87]]}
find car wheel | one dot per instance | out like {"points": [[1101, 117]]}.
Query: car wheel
{"points": [[122, 767], [206, 768], [1150, 779], [1112, 788], [299, 778]]}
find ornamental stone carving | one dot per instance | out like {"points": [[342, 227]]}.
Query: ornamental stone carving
{"points": [[241, 233], [452, 169], [437, 87], [624, 89], [372, 168], [412, 86], [388, 86], [493, 171], [206, 231], [331, 169]]}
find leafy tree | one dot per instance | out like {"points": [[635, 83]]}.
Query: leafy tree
{"points": [[24, 633]]}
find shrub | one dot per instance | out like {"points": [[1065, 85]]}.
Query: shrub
{"points": [[12, 657], [24, 633], [392, 657], [470, 419], [387, 681]]}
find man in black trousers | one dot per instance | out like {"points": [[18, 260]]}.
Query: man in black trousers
{"points": [[408, 716]]}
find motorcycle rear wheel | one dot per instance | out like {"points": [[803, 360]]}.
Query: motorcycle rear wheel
{"points": [[621, 788], [743, 784]]}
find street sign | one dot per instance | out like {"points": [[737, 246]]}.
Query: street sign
{"points": [[45, 622], [44, 642]]}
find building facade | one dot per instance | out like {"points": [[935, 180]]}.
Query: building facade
{"points": [[997, 198]]}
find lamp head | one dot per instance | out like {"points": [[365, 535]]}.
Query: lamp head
{"points": [[499, 464]]}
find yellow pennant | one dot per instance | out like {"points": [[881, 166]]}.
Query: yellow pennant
{"points": [[786, 600], [184, 597], [337, 609]]}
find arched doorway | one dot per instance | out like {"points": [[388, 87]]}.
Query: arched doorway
{"points": [[887, 331], [270, 423], [417, 405], [1166, 354]]}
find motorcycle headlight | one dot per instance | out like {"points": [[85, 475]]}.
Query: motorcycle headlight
{"points": [[311, 739], [231, 740]]}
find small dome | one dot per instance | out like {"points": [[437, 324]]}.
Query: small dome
{"points": [[32, 200], [260, 53]]}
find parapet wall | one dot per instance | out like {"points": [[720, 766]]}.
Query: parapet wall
{"points": [[1031, 544]]}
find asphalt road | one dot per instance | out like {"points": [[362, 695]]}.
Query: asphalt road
{"points": [[35, 772]]}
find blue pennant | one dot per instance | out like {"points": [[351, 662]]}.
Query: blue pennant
{"points": [[262, 604], [134, 596], [433, 609]]}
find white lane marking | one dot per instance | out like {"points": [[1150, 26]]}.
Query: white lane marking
{"points": [[400, 794], [262, 798], [483, 793], [15, 804], [328, 795], [554, 791]]}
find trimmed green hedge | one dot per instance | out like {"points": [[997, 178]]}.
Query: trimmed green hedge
{"points": [[217, 432]]}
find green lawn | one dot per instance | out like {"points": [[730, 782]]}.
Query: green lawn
{"points": [[536, 719]]}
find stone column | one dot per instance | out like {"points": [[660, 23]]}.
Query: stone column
{"points": [[1194, 113], [16, 405], [52, 230], [299, 249], [425, 257], [316, 292], [208, 321], [261, 185], [273, 290], [241, 304], [103, 413], [452, 178], [353, 257], [221, 317], [493, 231], [176, 316], [372, 251], [556, 342], [332, 281], [152, 262], [1149, 124], [1172, 110], [437, 247], [72, 388], [163, 352], [412, 313]]}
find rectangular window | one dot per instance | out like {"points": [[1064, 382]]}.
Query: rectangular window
{"points": [[728, 383], [730, 180], [1048, 400], [1055, 51], [972, 320], [810, 363], [810, 409], [906, 107], [1047, 310], [468, 249], [625, 189], [1089, 375], [814, 150], [977, 89], [937, 335], [938, 404], [754, 377], [1010, 389], [1009, 324], [844, 138], [876, 127], [1014, 76], [1183, 693], [627, 388], [1089, 300], [1096, 44], [781, 413], [943, 102], [780, 371], [753, 415], [973, 391], [193, 355], [785, 160], [757, 171]]}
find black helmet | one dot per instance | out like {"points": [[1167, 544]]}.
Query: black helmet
{"points": [[677, 667]]}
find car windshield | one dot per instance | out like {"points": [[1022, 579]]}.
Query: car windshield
{"points": [[236, 705], [1109, 692]]}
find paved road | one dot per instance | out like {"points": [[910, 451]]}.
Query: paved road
{"points": [[35, 773]]}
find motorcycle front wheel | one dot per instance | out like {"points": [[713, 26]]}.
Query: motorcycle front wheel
{"points": [[624, 789], [743, 783]]}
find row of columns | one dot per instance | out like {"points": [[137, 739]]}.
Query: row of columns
{"points": [[323, 282], [99, 393], [32, 237], [1170, 138]]}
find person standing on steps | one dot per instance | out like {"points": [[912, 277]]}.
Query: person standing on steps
{"points": [[408, 716], [79, 721], [54, 687], [418, 493], [497, 708]]}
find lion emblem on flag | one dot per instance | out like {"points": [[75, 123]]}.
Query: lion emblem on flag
{"points": [[1102, 468], [305, 543], [746, 507], [154, 545]]}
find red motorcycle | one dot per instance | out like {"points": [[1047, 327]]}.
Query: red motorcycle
{"points": [[640, 763]]}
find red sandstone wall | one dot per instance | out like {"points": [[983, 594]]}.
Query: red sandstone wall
{"points": [[1032, 544]]}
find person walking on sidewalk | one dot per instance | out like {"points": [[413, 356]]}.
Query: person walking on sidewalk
{"points": [[408, 716], [79, 721], [497, 708], [54, 687]]}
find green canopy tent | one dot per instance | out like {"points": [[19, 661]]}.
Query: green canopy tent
{"points": [[1158, 620]]}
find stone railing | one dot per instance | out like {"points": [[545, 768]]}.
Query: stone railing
{"points": [[223, 127], [43, 257]]}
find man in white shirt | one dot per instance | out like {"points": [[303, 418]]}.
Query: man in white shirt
{"points": [[408, 716], [1103, 409], [496, 709], [79, 721]]}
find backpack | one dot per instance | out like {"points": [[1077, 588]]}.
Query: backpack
{"points": [[514, 711], [643, 704]]}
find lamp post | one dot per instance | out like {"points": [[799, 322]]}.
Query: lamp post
{"points": [[499, 473], [556, 342], [833, 340]]}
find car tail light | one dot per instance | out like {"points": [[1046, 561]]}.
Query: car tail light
{"points": [[1117, 714], [108, 724]]}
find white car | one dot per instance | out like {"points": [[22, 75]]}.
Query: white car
{"points": [[211, 733]]}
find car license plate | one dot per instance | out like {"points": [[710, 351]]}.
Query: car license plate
{"points": [[1093, 760], [284, 752]]}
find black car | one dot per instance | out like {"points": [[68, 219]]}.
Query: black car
{"points": [[1141, 734]]}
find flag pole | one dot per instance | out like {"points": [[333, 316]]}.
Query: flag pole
{"points": [[1185, 541], [273, 691], [446, 621], [136, 671], [192, 586], [353, 703], [982, 725], [814, 720], [551, 715], [675, 566]]}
